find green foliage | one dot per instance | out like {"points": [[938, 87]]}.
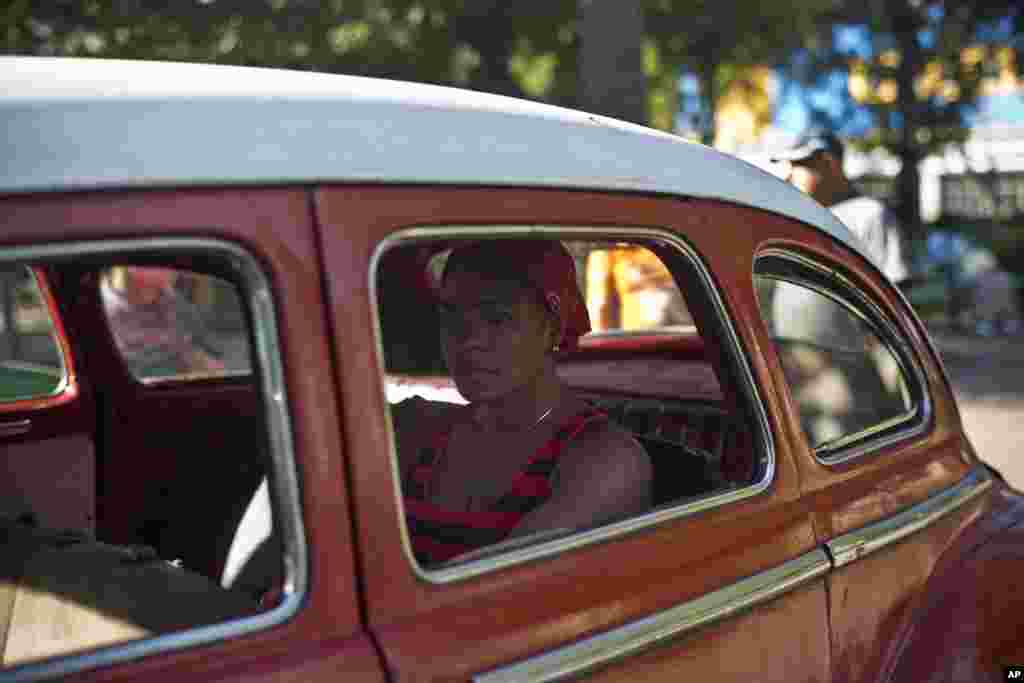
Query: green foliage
{"points": [[527, 48], [483, 44], [716, 39], [923, 72], [18, 383]]}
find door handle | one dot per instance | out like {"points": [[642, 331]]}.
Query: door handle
{"points": [[15, 428]]}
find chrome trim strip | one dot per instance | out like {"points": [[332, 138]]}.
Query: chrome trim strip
{"points": [[639, 635], [866, 540], [855, 445], [546, 549], [286, 482]]}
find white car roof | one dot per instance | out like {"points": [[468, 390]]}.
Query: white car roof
{"points": [[72, 124]]}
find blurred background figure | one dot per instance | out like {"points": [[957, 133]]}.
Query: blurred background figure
{"points": [[986, 300], [158, 331], [629, 288], [816, 167], [961, 283]]}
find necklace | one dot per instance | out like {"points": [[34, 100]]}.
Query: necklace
{"points": [[531, 427], [540, 419]]}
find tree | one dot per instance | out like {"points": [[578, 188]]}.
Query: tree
{"points": [[915, 68], [484, 44], [612, 80], [720, 41]]}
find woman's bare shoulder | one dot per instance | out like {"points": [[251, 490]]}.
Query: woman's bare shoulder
{"points": [[602, 474], [606, 449]]}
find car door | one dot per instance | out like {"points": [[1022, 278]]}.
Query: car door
{"points": [[47, 417], [722, 587], [883, 460], [307, 626]]}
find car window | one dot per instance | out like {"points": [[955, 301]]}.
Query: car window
{"points": [[190, 481], [444, 370], [173, 325], [839, 356], [31, 361]]}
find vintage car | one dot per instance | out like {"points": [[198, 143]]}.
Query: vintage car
{"points": [[219, 499]]}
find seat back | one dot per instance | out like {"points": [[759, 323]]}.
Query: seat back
{"points": [[695, 447], [253, 563], [68, 593], [679, 472]]}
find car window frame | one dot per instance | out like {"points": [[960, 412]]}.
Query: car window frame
{"points": [[840, 286], [735, 351], [257, 295]]}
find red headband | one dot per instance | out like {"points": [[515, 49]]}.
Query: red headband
{"points": [[548, 267]]}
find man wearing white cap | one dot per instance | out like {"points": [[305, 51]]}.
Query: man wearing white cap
{"points": [[816, 167]]}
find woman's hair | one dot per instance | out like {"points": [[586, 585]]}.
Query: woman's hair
{"points": [[490, 260], [541, 266]]}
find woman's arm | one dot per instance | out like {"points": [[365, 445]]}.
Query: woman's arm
{"points": [[603, 475]]}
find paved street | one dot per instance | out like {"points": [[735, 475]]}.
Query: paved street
{"points": [[988, 378]]}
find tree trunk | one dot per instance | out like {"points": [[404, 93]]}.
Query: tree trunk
{"points": [[908, 147], [612, 80], [487, 27], [709, 99]]}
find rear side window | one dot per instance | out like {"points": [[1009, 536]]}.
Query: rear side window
{"points": [[31, 362], [841, 358], [173, 325]]}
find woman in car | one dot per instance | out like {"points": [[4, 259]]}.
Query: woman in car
{"points": [[525, 455]]}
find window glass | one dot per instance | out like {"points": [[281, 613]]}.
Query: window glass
{"points": [[31, 364], [628, 288], [845, 377], [187, 533], [171, 324], [493, 399]]}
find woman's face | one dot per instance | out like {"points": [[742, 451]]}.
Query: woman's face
{"points": [[495, 335]]}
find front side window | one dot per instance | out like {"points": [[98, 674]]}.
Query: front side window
{"points": [[31, 362], [840, 358], [510, 432]]}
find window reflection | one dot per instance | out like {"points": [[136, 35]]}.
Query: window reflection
{"points": [[172, 324], [31, 364], [844, 377], [628, 288]]}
